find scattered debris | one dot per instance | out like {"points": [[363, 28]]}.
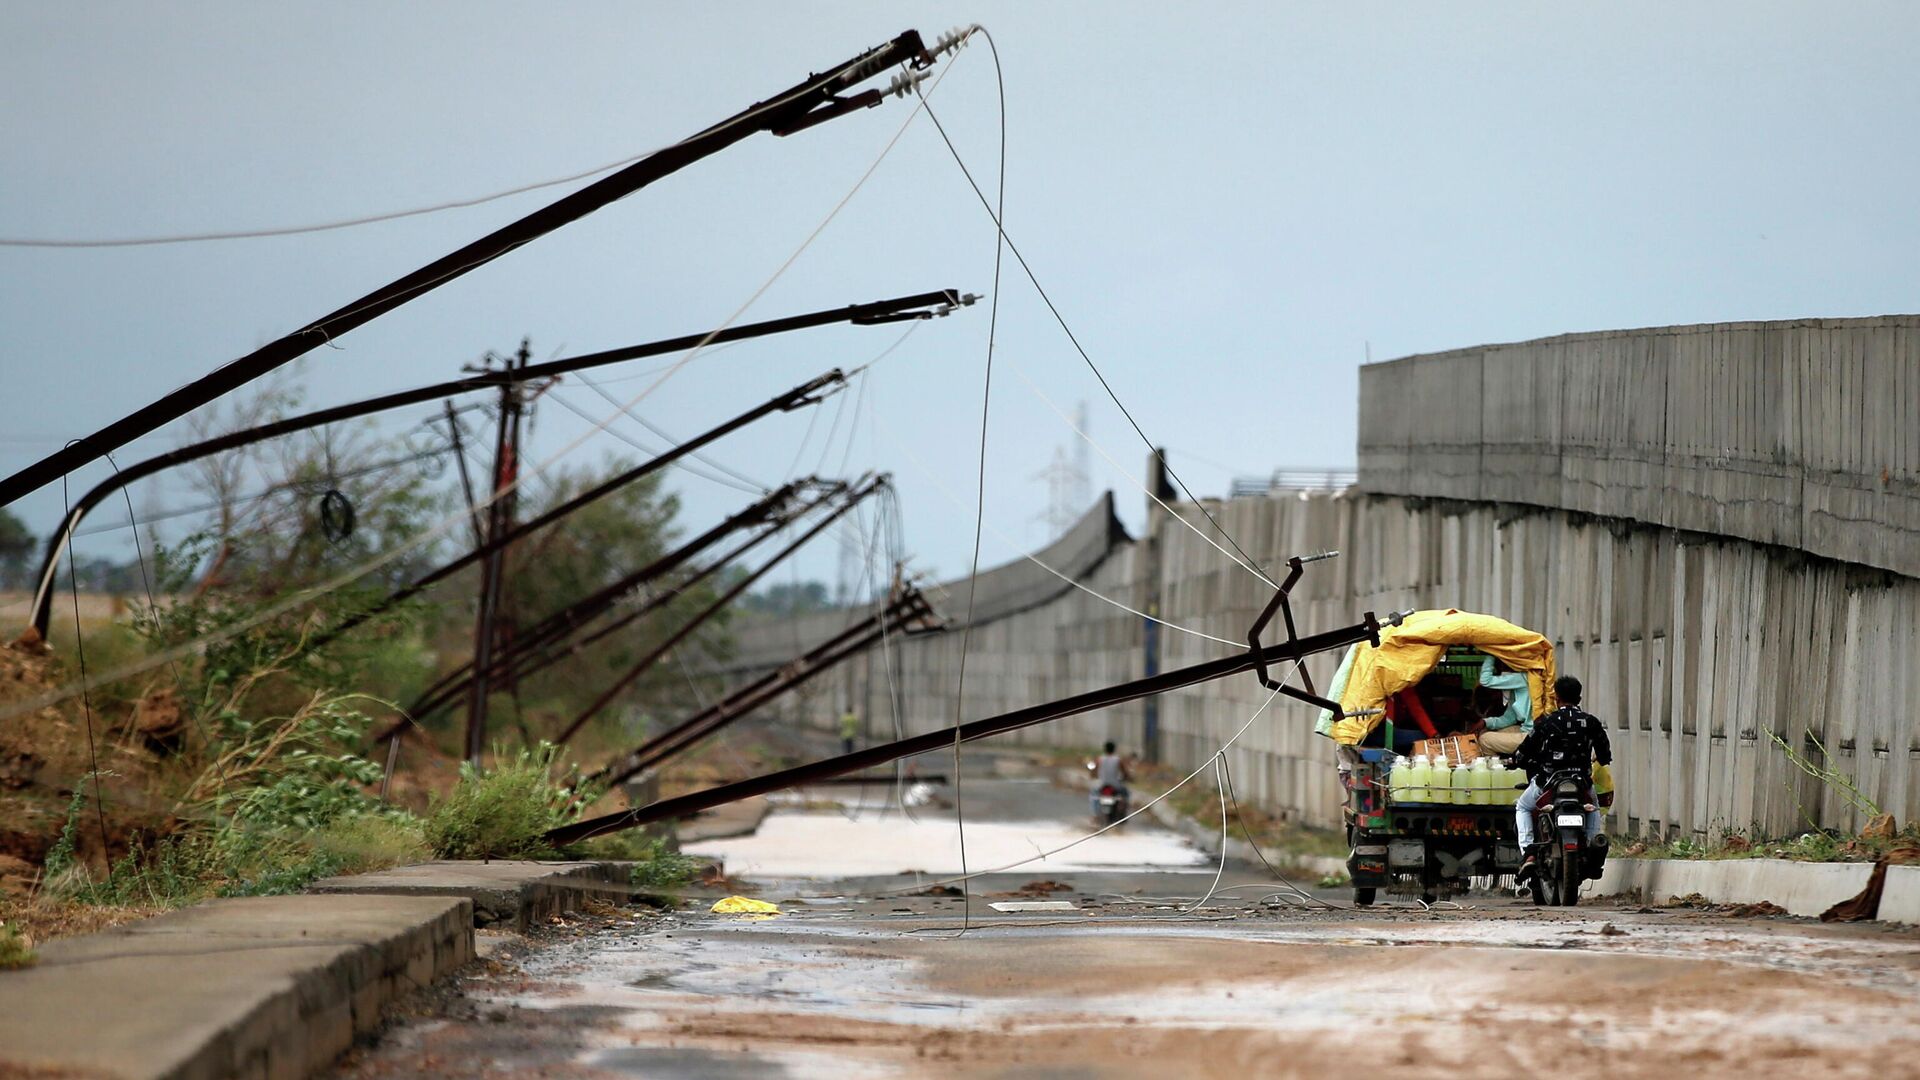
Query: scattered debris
{"points": [[938, 890], [1610, 930], [1038, 888]]}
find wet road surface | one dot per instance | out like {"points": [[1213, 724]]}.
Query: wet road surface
{"points": [[866, 974]]}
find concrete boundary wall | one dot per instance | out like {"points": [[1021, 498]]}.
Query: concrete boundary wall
{"points": [[1803, 434], [1697, 652]]}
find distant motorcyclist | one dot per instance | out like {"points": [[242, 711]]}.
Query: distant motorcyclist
{"points": [[1567, 738], [1109, 770]]}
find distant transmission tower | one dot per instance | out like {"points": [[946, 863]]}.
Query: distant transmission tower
{"points": [[1069, 478]]}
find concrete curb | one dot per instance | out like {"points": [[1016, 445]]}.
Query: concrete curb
{"points": [[510, 892], [1802, 888], [273, 986]]}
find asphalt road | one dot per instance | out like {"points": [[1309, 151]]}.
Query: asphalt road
{"points": [[871, 970]]}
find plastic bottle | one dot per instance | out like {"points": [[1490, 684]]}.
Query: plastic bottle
{"points": [[1462, 783], [1510, 776], [1419, 775], [1482, 777], [1400, 781]]}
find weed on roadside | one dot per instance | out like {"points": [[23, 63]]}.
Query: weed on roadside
{"points": [[663, 868], [504, 812]]}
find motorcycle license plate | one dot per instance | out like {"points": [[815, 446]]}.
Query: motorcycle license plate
{"points": [[1571, 819]]}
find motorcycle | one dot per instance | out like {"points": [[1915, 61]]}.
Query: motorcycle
{"points": [[1565, 856], [1110, 801]]}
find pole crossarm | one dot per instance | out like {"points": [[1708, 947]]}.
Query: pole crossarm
{"points": [[918, 306], [815, 99]]}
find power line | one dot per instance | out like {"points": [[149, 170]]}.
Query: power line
{"points": [[430, 535], [1061, 319], [324, 226]]}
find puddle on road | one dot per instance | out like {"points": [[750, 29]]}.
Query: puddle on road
{"points": [[790, 998], [802, 845]]}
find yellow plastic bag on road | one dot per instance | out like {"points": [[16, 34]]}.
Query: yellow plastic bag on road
{"points": [[745, 905]]}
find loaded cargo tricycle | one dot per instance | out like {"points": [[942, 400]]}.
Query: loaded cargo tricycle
{"points": [[1426, 717]]}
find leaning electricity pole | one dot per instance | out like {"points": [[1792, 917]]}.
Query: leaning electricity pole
{"points": [[506, 462]]}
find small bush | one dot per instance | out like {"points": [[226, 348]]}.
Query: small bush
{"points": [[15, 950], [503, 812]]}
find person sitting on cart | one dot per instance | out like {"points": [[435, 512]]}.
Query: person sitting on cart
{"points": [[1567, 738], [1507, 726]]}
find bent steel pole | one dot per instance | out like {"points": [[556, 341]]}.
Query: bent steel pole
{"points": [[719, 604], [1368, 629], [798, 107], [918, 306]]}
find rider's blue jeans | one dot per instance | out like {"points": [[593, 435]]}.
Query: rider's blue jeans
{"points": [[1523, 812]]}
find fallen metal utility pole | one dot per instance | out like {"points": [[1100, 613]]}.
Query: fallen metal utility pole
{"points": [[770, 509], [719, 604], [810, 102], [908, 612], [1256, 658], [545, 641], [919, 306]]}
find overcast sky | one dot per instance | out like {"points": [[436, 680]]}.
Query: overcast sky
{"points": [[1230, 203]]}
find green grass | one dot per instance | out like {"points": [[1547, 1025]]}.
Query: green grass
{"points": [[1812, 846], [15, 952], [663, 868]]}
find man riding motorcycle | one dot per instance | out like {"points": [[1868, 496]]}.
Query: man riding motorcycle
{"points": [[1109, 771], [1567, 738]]}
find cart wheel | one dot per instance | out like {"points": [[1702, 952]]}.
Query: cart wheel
{"points": [[1363, 897]]}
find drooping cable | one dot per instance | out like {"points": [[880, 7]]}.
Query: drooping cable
{"points": [[462, 517], [947, 493], [1143, 488], [86, 698], [1044, 855], [1000, 229], [980, 495]]}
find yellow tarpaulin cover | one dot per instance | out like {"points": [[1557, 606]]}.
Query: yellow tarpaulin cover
{"points": [[1409, 651], [744, 905]]}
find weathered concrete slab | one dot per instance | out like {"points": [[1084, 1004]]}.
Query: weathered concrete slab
{"points": [[259, 987], [1901, 900], [1802, 888], [512, 892]]}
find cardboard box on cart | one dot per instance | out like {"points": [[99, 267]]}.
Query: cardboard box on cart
{"points": [[1453, 749]]}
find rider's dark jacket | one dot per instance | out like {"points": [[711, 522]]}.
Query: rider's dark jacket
{"points": [[1566, 738]]}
